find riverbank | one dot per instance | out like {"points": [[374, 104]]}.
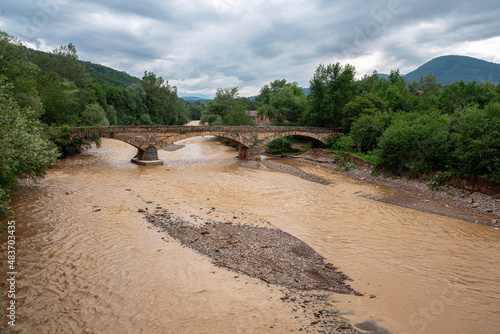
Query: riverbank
{"points": [[413, 193]]}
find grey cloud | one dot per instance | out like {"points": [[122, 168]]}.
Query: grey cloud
{"points": [[206, 44]]}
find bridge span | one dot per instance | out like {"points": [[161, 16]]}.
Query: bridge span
{"points": [[149, 139]]}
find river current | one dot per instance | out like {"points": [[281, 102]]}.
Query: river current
{"points": [[89, 262]]}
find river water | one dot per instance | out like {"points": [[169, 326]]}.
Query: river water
{"points": [[88, 261]]}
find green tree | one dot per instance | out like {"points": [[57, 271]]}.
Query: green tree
{"points": [[460, 94], [14, 65], [226, 109], [64, 61], [59, 100], [284, 103], [367, 129], [416, 142], [365, 104], [332, 87], [162, 101], [24, 150], [94, 115]]}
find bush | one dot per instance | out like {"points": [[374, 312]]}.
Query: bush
{"points": [[343, 144], [280, 146], [367, 129], [477, 141], [416, 142]]}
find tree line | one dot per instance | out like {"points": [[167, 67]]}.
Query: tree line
{"points": [[417, 126]]}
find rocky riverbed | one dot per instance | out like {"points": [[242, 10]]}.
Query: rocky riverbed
{"points": [[272, 257]]}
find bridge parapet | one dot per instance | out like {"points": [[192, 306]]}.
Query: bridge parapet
{"points": [[149, 139]]}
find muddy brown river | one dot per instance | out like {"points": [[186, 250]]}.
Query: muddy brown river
{"points": [[89, 262]]}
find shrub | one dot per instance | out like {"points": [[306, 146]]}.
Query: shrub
{"points": [[343, 143], [416, 142], [280, 146], [367, 129], [477, 141]]}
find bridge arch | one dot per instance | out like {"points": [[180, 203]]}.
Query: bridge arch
{"points": [[316, 139]]}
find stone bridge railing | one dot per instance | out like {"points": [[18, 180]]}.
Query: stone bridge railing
{"points": [[149, 139]]}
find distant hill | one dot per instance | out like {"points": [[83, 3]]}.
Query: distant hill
{"points": [[449, 69], [107, 75], [193, 99]]}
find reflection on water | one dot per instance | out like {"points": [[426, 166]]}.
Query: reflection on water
{"points": [[108, 272]]}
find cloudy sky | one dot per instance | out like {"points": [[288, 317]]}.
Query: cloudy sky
{"points": [[201, 45]]}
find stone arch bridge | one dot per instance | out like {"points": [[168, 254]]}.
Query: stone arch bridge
{"points": [[149, 139]]}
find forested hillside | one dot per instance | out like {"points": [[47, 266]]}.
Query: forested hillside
{"points": [[109, 76], [450, 69]]}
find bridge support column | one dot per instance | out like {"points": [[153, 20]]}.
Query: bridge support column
{"points": [[249, 153], [147, 157]]}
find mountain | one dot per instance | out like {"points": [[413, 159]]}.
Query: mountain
{"points": [[449, 69]]}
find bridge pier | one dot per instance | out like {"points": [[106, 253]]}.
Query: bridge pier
{"points": [[147, 157], [249, 153]]}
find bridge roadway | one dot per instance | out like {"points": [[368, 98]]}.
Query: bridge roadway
{"points": [[149, 139]]}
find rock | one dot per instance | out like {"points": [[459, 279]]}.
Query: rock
{"points": [[141, 210], [476, 205]]}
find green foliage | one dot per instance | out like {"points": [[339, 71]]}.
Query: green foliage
{"points": [[280, 146], [237, 118], [61, 138], [343, 164], [283, 102], [343, 144], [437, 180], [367, 129], [365, 104], [24, 150], [226, 109], [195, 109], [108, 76], [476, 139], [416, 142], [162, 102], [14, 66], [94, 115], [460, 94], [64, 61], [332, 87]]}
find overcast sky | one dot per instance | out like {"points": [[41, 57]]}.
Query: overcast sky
{"points": [[201, 45]]}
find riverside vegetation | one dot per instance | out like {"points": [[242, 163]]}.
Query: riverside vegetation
{"points": [[418, 126]]}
